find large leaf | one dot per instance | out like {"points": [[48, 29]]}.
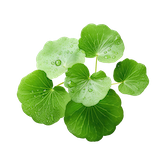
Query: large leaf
{"points": [[97, 121], [101, 41], [85, 89], [132, 76], [39, 100], [57, 56]]}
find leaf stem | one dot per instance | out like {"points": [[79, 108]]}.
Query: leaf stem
{"points": [[116, 83], [58, 84], [96, 64]]}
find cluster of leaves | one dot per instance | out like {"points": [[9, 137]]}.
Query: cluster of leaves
{"points": [[91, 109]]}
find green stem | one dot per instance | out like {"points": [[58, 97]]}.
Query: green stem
{"points": [[58, 84], [96, 71], [116, 83], [96, 64]]}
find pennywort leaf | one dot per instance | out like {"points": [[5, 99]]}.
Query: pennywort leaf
{"points": [[85, 89], [101, 41], [132, 76], [96, 121], [57, 56], [40, 100]]}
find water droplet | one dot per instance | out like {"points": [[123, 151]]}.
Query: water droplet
{"points": [[71, 45], [57, 62], [118, 41], [53, 63], [109, 49], [90, 90], [105, 52], [42, 96], [82, 51], [37, 90], [107, 56], [84, 89], [113, 57], [32, 91], [38, 113], [44, 90], [84, 98], [72, 91], [71, 84], [68, 51], [71, 52], [39, 109], [52, 117], [34, 95]]}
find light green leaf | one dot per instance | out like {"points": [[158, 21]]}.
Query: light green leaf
{"points": [[57, 56], [84, 89], [101, 41], [39, 100], [132, 76], [96, 121]]}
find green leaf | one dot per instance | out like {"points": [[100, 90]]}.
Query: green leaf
{"points": [[96, 121], [132, 76], [101, 41], [84, 89], [39, 100], [57, 56]]}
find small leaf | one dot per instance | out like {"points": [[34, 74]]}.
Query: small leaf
{"points": [[57, 56], [132, 76], [97, 121], [84, 89], [101, 41], [39, 100]]}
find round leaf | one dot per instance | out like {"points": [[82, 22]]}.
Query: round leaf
{"points": [[94, 122], [39, 100], [57, 56], [101, 41], [132, 76], [84, 89]]}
